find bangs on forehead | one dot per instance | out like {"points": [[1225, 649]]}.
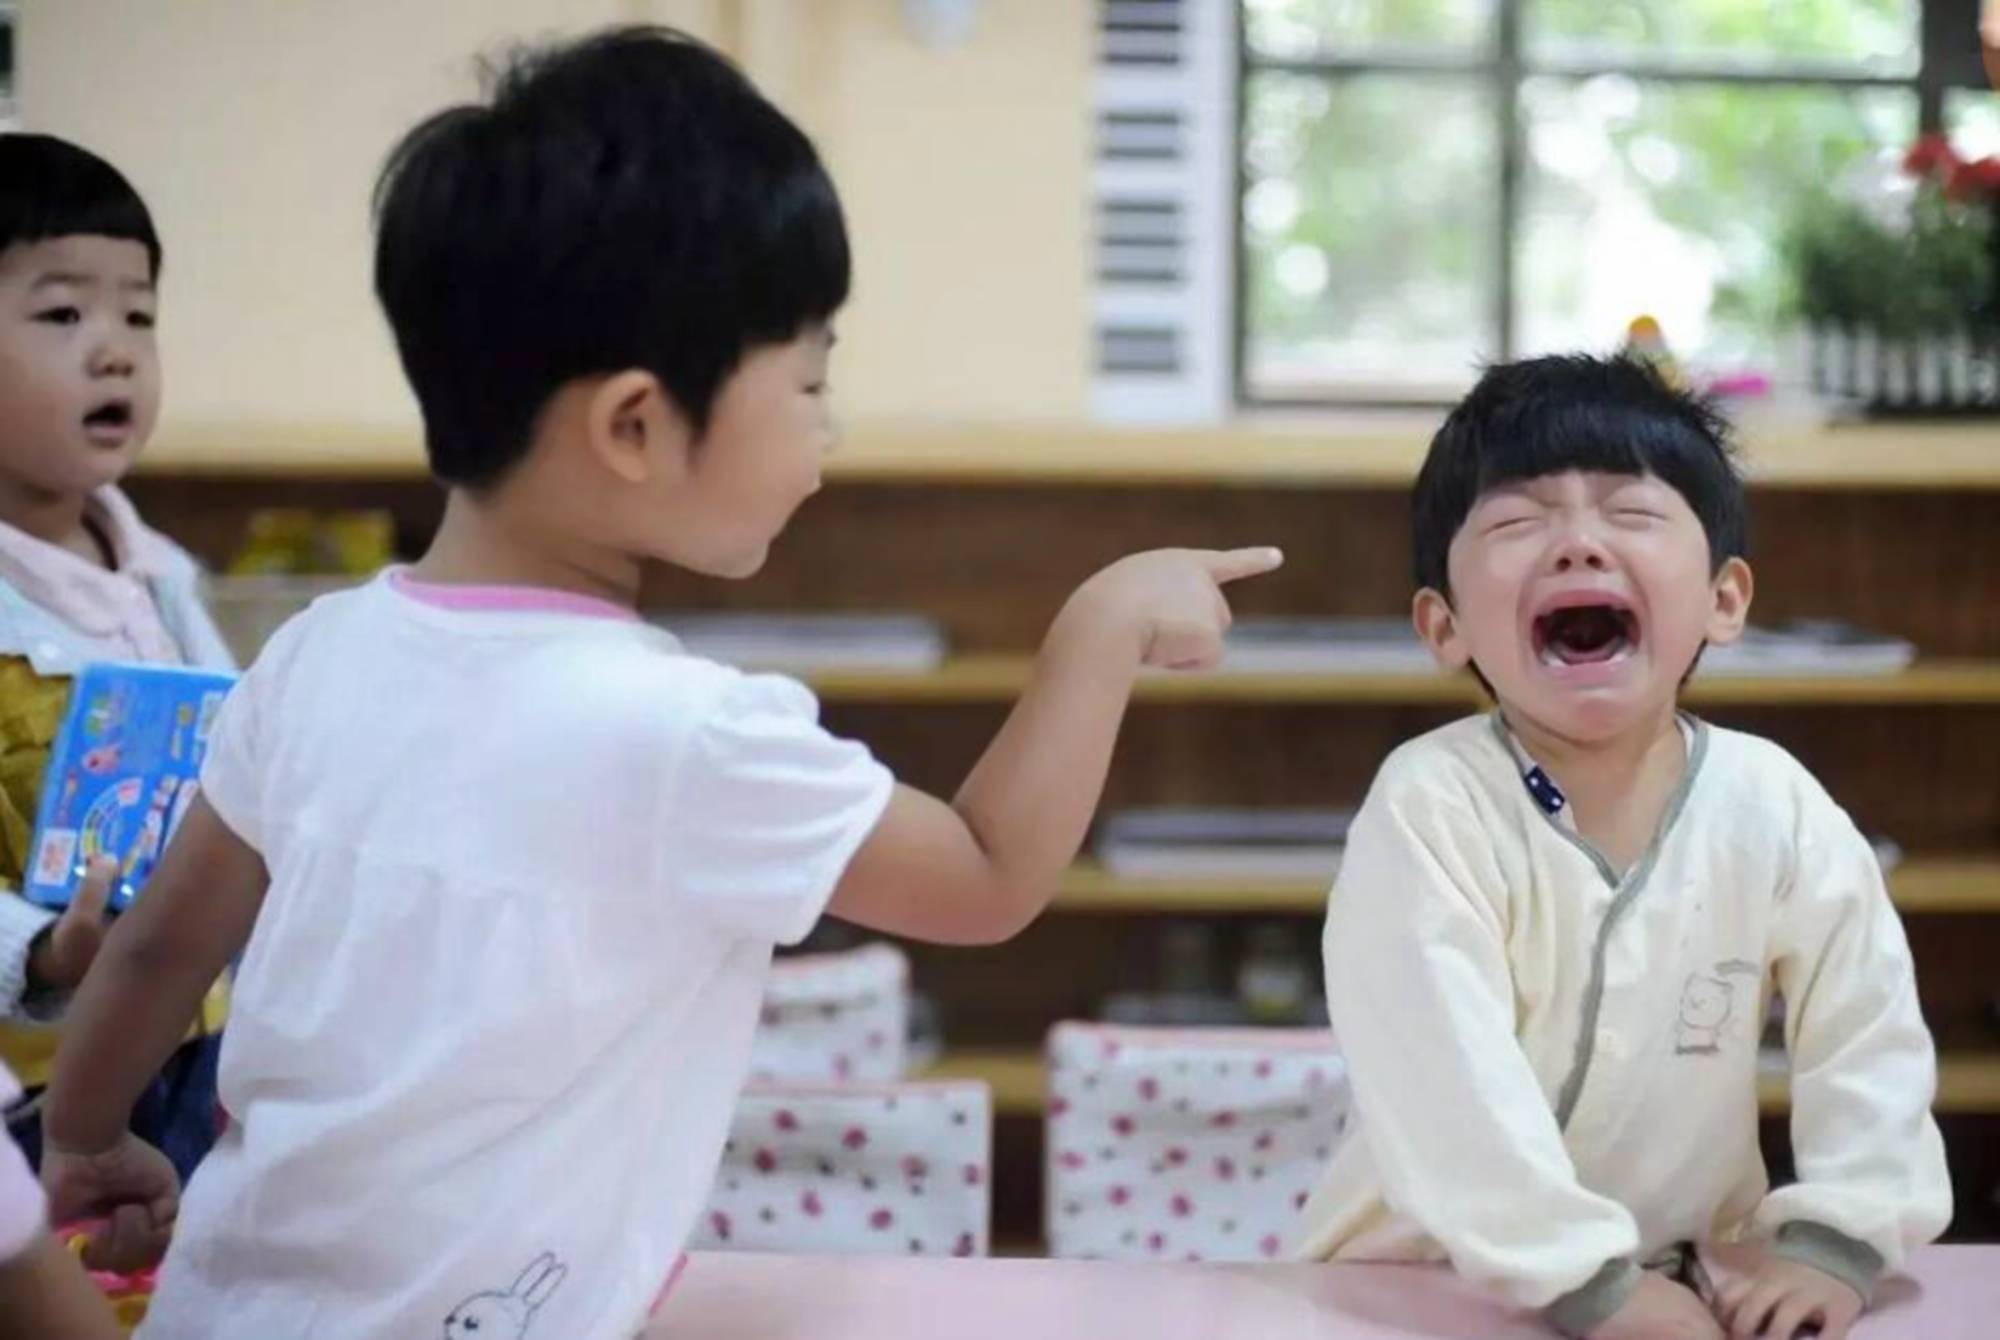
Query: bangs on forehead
{"points": [[1549, 416], [1591, 439]]}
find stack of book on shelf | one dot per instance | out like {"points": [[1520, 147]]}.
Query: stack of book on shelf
{"points": [[812, 643], [1325, 646], [1223, 844], [1810, 647], [1390, 646]]}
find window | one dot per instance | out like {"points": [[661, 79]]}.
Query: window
{"points": [[1429, 183], [7, 112]]}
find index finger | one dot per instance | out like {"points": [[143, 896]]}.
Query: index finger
{"points": [[93, 891], [1232, 565]]}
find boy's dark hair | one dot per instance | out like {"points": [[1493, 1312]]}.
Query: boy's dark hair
{"points": [[51, 188], [1544, 416], [625, 201]]}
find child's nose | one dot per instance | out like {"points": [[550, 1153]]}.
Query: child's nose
{"points": [[1578, 547], [113, 358]]}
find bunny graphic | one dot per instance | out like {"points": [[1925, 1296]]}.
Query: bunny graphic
{"points": [[507, 1316]]}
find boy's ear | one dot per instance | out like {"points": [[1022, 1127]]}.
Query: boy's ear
{"points": [[1438, 627], [634, 429], [1732, 589]]}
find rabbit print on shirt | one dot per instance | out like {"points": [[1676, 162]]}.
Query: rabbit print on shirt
{"points": [[507, 1316]]}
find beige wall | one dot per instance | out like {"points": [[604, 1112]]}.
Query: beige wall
{"points": [[255, 129]]}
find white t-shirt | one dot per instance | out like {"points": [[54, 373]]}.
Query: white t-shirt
{"points": [[528, 863]]}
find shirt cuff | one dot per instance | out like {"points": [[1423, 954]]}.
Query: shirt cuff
{"points": [[1584, 1309], [20, 922], [1831, 1252]]}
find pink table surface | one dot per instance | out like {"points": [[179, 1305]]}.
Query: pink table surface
{"points": [[1949, 1293]]}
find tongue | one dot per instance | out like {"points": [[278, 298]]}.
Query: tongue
{"points": [[1587, 637]]}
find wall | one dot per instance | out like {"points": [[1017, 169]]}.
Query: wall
{"points": [[255, 130]]}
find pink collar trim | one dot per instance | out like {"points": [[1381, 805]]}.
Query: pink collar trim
{"points": [[506, 599]]}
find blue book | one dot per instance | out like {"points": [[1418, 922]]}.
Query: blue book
{"points": [[125, 767]]}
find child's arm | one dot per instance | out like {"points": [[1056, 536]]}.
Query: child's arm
{"points": [[52, 953], [981, 868], [44, 1295], [134, 1009], [1872, 1183], [1422, 998]]}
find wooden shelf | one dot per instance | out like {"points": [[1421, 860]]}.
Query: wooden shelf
{"points": [[1947, 884], [1968, 1083], [998, 678], [1333, 450]]}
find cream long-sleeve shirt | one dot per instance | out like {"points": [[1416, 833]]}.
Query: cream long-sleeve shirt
{"points": [[1555, 1065]]}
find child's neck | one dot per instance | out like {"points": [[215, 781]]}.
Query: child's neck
{"points": [[485, 543], [60, 519], [1618, 789]]}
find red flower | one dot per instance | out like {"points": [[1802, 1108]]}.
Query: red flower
{"points": [[1269, 1246], [881, 1220], [1930, 156], [855, 1138], [964, 1245], [1122, 1125], [914, 1167], [785, 1121], [720, 1223], [1975, 180], [810, 1204], [1119, 1195], [764, 1161], [974, 1174], [1149, 1089], [1182, 1207]]}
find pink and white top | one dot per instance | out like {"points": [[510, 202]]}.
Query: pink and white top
{"points": [[528, 862], [22, 1208]]}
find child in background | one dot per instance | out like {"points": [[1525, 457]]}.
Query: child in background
{"points": [[1557, 928], [509, 863], [44, 1294], [81, 577]]}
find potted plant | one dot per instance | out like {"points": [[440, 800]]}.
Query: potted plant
{"points": [[1900, 289]]}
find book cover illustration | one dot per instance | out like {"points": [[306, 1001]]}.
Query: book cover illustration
{"points": [[125, 767]]}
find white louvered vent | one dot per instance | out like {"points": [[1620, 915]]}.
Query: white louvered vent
{"points": [[1163, 181]]}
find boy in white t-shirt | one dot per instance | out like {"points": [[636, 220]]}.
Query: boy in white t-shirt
{"points": [[1558, 928], [505, 864]]}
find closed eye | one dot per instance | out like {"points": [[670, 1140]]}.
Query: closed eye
{"points": [[1509, 523]]}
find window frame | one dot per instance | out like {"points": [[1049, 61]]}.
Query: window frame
{"points": [[1948, 58]]}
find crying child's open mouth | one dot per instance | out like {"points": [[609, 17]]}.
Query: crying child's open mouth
{"points": [[1585, 635]]}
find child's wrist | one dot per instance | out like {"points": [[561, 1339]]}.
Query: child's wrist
{"points": [[37, 972], [1095, 619]]}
